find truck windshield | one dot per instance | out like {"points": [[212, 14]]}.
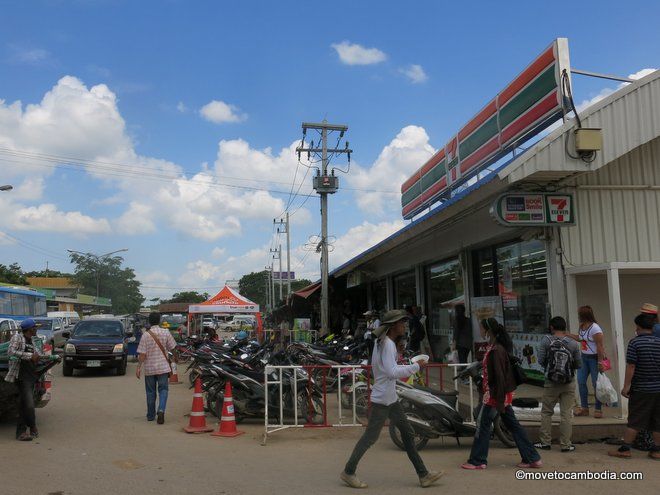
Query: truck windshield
{"points": [[98, 329]]}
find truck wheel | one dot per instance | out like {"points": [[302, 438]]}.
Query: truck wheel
{"points": [[67, 370], [121, 370]]}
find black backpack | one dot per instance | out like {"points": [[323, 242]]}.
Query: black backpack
{"points": [[560, 362]]}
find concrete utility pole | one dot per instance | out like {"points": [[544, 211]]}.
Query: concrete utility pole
{"points": [[268, 303], [286, 223], [278, 256], [324, 184]]}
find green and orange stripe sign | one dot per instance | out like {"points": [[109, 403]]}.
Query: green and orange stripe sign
{"points": [[530, 103]]}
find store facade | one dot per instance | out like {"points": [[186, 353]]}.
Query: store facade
{"points": [[458, 253]]}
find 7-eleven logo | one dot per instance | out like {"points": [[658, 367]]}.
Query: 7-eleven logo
{"points": [[560, 208]]}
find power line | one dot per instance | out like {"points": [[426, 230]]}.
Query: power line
{"points": [[34, 248]]}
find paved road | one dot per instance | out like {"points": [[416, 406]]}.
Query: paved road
{"points": [[95, 440]]}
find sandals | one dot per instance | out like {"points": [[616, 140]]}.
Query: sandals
{"points": [[598, 414]]}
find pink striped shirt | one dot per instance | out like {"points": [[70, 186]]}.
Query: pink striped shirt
{"points": [[156, 364]]}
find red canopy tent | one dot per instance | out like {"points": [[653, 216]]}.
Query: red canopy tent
{"points": [[227, 301]]}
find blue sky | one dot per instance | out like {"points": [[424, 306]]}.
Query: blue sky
{"points": [[126, 83]]}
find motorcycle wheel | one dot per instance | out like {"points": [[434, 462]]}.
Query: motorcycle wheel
{"points": [[395, 435], [502, 433]]}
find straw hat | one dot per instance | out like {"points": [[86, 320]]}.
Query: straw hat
{"points": [[389, 319], [650, 309]]}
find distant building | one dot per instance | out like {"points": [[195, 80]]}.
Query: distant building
{"points": [[63, 294]]}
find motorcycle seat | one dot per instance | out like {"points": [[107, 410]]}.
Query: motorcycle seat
{"points": [[439, 393]]}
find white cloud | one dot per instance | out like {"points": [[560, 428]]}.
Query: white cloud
{"points": [[218, 252], [29, 56], [397, 161], [605, 92], [354, 54], [136, 220], [181, 107], [47, 218], [415, 73], [156, 277], [220, 112], [361, 237]]}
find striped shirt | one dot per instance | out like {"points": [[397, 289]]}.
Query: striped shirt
{"points": [[155, 363], [644, 352]]}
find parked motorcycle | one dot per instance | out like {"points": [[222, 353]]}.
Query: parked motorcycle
{"points": [[434, 414]]}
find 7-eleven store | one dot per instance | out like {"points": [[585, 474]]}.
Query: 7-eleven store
{"points": [[610, 259]]}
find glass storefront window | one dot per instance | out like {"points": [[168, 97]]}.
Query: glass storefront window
{"points": [[523, 285], [379, 295], [444, 290], [405, 290]]}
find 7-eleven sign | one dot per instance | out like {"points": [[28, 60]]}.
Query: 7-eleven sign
{"points": [[560, 209]]}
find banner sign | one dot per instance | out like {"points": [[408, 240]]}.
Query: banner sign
{"points": [[529, 104], [534, 209], [284, 275]]}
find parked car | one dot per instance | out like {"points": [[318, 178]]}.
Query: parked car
{"points": [[70, 318], [8, 327], [46, 328], [208, 321], [97, 343], [240, 322]]}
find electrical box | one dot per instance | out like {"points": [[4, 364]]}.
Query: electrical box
{"points": [[588, 140], [326, 184]]}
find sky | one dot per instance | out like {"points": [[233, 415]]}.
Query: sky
{"points": [[169, 128]]}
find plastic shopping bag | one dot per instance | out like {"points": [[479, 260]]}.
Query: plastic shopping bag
{"points": [[605, 392]]}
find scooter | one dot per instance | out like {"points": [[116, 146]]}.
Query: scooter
{"points": [[435, 414]]}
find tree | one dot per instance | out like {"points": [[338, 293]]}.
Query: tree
{"points": [[187, 297], [254, 286], [48, 273], [12, 274], [105, 277]]}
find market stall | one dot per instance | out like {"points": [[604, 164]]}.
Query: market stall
{"points": [[226, 301]]}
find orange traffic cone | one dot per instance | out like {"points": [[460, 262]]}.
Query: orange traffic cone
{"points": [[174, 378], [197, 417], [228, 421]]}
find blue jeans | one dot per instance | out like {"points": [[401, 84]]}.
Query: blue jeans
{"points": [[589, 367], [479, 452], [150, 383]]}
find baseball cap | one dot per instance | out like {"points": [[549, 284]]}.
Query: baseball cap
{"points": [[28, 323]]}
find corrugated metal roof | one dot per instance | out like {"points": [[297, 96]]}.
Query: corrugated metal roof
{"points": [[628, 118]]}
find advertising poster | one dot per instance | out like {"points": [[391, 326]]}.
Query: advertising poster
{"points": [[526, 348], [483, 308]]}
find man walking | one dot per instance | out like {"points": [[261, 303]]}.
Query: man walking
{"points": [[384, 403], [560, 357], [642, 387], [24, 356], [152, 355]]}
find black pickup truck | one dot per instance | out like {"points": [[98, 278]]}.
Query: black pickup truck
{"points": [[96, 343]]}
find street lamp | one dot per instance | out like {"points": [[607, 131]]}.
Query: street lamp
{"points": [[98, 259], [7, 187]]}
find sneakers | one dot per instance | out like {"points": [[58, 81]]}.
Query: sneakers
{"points": [[542, 446], [530, 465], [622, 454], [430, 478], [570, 448], [352, 480], [161, 417], [24, 437], [473, 467]]}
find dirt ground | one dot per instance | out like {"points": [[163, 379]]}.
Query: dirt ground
{"points": [[95, 440]]}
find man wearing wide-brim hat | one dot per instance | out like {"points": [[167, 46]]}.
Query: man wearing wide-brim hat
{"points": [[384, 404], [652, 309]]}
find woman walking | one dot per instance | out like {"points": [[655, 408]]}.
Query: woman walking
{"points": [[590, 337], [498, 387], [384, 402]]}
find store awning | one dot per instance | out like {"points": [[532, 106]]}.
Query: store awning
{"points": [[308, 291]]}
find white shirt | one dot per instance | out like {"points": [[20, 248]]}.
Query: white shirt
{"points": [[387, 372], [587, 341]]}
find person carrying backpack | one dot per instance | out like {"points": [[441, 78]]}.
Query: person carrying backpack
{"points": [[560, 356]]}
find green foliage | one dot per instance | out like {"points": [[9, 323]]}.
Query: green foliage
{"points": [[254, 286], [107, 276], [187, 297], [12, 274], [48, 273]]}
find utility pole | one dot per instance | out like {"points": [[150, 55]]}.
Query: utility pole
{"points": [[286, 223], [324, 184], [278, 256], [268, 303]]}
